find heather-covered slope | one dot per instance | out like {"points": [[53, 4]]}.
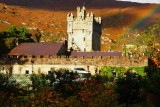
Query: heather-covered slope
{"points": [[69, 4], [49, 16]]}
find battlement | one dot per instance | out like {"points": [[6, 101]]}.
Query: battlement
{"points": [[82, 17], [70, 17], [82, 60], [98, 20], [81, 13]]}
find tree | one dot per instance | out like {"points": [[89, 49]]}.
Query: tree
{"points": [[10, 42], [149, 38], [129, 88], [3, 48], [13, 35], [21, 33]]}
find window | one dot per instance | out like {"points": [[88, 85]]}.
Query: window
{"points": [[114, 73], [84, 49], [84, 39], [39, 70], [10, 70], [49, 72], [82, 69], [20, 70], [27, 72], [2, 68], [83, 30], [32, 61]]}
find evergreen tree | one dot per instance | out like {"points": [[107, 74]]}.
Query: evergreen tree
{"points": [[13, 35]]}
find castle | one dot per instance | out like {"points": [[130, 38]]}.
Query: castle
{"points": [[82, 49], [84, 31]]}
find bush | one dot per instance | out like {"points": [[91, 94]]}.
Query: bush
{"points": [[9, 90], [120, 71], [129, 88]]}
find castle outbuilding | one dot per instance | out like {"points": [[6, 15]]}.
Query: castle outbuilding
{"points": [[39, 49]]}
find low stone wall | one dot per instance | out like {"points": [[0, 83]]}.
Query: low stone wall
{"points": [[45, 64], [101, 61], [43, 68]]}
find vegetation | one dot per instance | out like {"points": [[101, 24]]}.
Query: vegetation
{"points": [[129, 88], [60, 89], [142, 43], [145, 42], [13, 36], [114, 86], [149, 39], [120, 71]]}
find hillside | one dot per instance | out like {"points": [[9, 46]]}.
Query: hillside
{"points": [[66, 5], [49, 16]]}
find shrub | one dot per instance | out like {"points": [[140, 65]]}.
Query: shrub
{"points": [[120, 71], [129, 88]]}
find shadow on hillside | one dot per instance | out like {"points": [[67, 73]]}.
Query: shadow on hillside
{"points": [[69, 5], [116, 20]]}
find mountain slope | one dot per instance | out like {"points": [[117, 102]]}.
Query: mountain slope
{"points": [[69, 4], [49, 16]]}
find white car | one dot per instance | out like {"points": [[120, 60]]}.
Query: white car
{"points": [[82, 75], [82, 72]]}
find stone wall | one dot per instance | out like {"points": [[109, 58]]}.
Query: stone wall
{"points": [[42, 68], [46, 63], [81, 60]]}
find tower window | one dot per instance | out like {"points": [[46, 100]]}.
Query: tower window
{"points": [[72, 40], [27, 72], [84, 39]]}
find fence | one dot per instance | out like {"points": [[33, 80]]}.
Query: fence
{"points": [[21, 80]]}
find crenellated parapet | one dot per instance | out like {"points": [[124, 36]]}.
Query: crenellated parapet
{"points": [[81, 13], [70, 17], [82, 60], [98, 20]]}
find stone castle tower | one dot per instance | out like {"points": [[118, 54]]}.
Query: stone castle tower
{"points": [[84, 31]]}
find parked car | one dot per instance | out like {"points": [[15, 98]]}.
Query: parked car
{"points": [[82, 73]]}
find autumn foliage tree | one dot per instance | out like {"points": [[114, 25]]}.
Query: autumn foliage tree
{"points": [[146, 42]]}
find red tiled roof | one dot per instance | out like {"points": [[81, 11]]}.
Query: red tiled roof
{"points": [[36, 49], [85, 54]]}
